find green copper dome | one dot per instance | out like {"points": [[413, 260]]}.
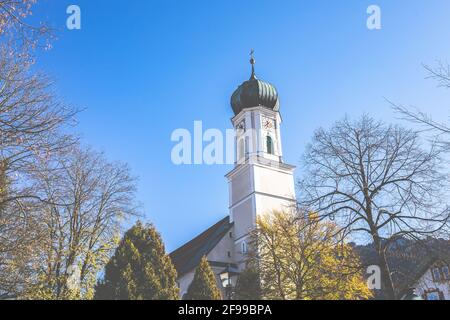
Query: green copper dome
{"points": [[254, 93]]}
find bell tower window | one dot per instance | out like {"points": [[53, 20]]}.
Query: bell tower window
{"points": [[269, 145]]}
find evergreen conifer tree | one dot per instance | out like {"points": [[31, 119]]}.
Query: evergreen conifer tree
{"points": [[140, 269], [204, 285]]}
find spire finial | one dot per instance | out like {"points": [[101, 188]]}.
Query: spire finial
{"points": [[252, 62]]}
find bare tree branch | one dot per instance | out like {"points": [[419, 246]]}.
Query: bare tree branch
{"points": [[376, 180]]}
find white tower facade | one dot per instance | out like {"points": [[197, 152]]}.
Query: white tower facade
{"points": [[261, 182]]}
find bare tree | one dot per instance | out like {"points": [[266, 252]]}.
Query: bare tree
{"points": [[60, 206], [19, 236], [31, 117], [375, 180], [17, 32], [32, 121], [89, 200], [441, 129]]}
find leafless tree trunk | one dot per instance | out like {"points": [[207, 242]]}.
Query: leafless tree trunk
{"points": [[375, 180]]}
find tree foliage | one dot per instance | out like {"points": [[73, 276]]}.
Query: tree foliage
{"points": [[140, 269], [204, 285], [300, 258], [248, 286]]}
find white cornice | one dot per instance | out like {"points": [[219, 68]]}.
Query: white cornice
{"points": [[263, 110]]}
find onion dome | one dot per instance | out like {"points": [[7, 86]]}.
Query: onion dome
{"points": [[255, 93]]}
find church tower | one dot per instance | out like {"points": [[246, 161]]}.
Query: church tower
{"points": [[261, 182]]}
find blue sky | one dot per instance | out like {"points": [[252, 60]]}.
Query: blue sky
{"points": [[145, 68]]}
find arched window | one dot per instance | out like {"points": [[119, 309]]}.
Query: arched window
{"points": [[241, 149], [269, 142], [244, 247]]}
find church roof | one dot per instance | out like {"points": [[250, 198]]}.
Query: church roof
{"points": [[254, 93], [188, 256]]}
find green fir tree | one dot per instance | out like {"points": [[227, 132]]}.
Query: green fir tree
{"points": [[140, 269], [204, 285]]}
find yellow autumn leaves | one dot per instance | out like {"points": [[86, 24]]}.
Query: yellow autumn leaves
{"points": [[301, 258]]}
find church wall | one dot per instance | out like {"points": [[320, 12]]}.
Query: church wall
{"points": [[220, 251], [240, 186], [243, 218], [267, 204], [240, 256], [274, 182], [184, 282]]}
